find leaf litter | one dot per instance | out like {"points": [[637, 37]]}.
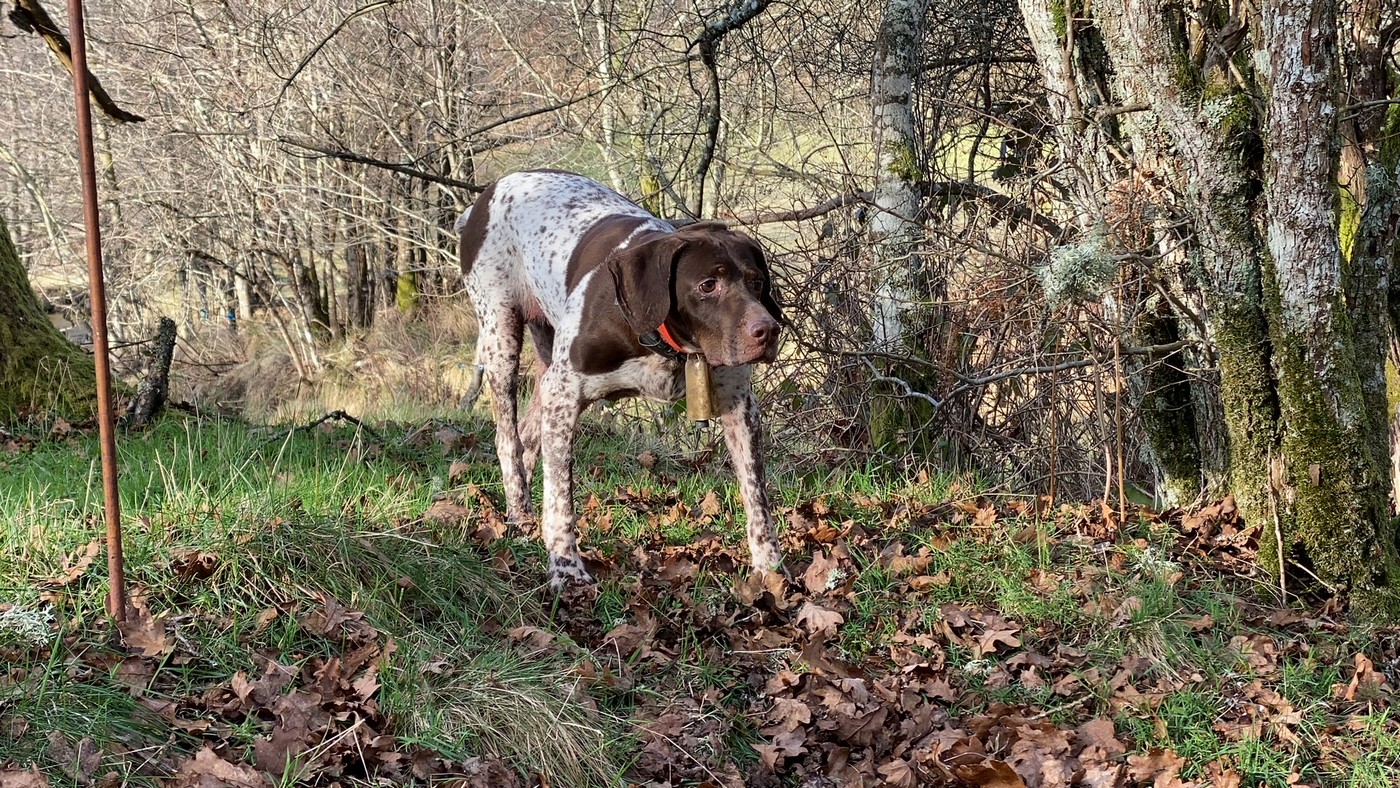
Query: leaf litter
{"points": [[733, 678]]}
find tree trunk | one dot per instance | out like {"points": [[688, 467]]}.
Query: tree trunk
{"points": [[40, 371], [154, 389], [1332, 474], [1295, 327], [901, 311]]}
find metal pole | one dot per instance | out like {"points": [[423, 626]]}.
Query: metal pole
{"points": [[116, 575]]}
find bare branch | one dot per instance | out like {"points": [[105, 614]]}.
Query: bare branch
{"points": [[30, 16], [353, 15], [403, 169], [740, 13]]}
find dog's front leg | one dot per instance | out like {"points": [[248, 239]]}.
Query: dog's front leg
{"points": [[560, 402], [738, 415]]}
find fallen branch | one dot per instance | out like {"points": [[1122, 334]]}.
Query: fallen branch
{"points": [[337, 415]]}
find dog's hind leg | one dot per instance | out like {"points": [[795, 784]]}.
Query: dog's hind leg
{"points": [[543, 336], [498, 348]]}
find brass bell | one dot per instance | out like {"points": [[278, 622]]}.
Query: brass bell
{"points": [[699, 389]]}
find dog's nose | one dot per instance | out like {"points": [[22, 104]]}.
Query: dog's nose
{"points": [[763, 329]]}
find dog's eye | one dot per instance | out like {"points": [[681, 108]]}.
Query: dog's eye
{"points": [[708, 286]]}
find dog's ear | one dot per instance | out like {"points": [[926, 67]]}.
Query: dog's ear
{"points": [[766, 297], [642, 275]]}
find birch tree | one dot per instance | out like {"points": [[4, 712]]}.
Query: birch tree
{"points": [[901, 308]]}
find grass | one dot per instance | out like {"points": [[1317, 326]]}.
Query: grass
{"points": [[285, 520], [278, 522]]}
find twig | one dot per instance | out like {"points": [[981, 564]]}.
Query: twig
{"points": [[403, 169], [338, 415], [1278, 535], [357, 13], [802, 214], [1312, 574], [1071, 705], [909, 390]]}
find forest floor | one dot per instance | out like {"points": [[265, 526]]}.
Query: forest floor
{"points": [[335, 606]]}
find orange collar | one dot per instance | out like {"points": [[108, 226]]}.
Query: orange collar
{"points": [[670, 340]]}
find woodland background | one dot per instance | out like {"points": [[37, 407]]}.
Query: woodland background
{"points": [[1124, 249], [1084, 416]]}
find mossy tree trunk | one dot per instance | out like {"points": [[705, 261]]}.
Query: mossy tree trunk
{"points": [[1184, 434], [1239, 144], [904, 307], [41, 372]]}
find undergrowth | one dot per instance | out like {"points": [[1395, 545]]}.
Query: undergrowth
{"points": [[371, 569]]}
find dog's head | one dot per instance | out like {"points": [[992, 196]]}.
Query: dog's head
{"points": [[710, 284]]}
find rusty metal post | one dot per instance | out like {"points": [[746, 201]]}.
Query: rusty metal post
{"points": [[116, 574]]}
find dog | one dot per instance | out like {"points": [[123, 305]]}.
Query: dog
{"points": [[615, 299]]}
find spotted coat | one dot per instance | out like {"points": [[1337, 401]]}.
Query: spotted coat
{"points": [[590, 273]]}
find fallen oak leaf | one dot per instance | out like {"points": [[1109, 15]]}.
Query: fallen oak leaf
{"points": [[76, 565], [207, 770], [787, 714], [457, 468], [761, 587], [1160, 767], [446, 511], [925, 582], [819, 620], [710, 506], [818, 576], [900, 774], [146, 632], [989, 641], [14, 778], [990, 774], [1366, 682], [785, 745], [80, 762]]}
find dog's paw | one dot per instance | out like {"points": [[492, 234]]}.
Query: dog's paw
{"points": [[567, 573], [766, 557]]}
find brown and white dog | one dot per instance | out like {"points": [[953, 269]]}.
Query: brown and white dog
{"points": [[613, 297]]}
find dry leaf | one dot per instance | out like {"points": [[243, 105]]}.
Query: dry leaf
{"points": [[990, 774], [445, 511], [146, 633], [14, 778], [819, 620], [207, 770], [76, 565], [710, 506], [457, 468], [817, 578]]}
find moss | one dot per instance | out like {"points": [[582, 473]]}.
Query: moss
{"points": [[406, 292], [1335, 513], [1348, 222], [1168, 419], [1183, 73], [1390, 138], [1251, 410], [1230, 111], [41, 372], [1060, 18], [904, 164]]}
